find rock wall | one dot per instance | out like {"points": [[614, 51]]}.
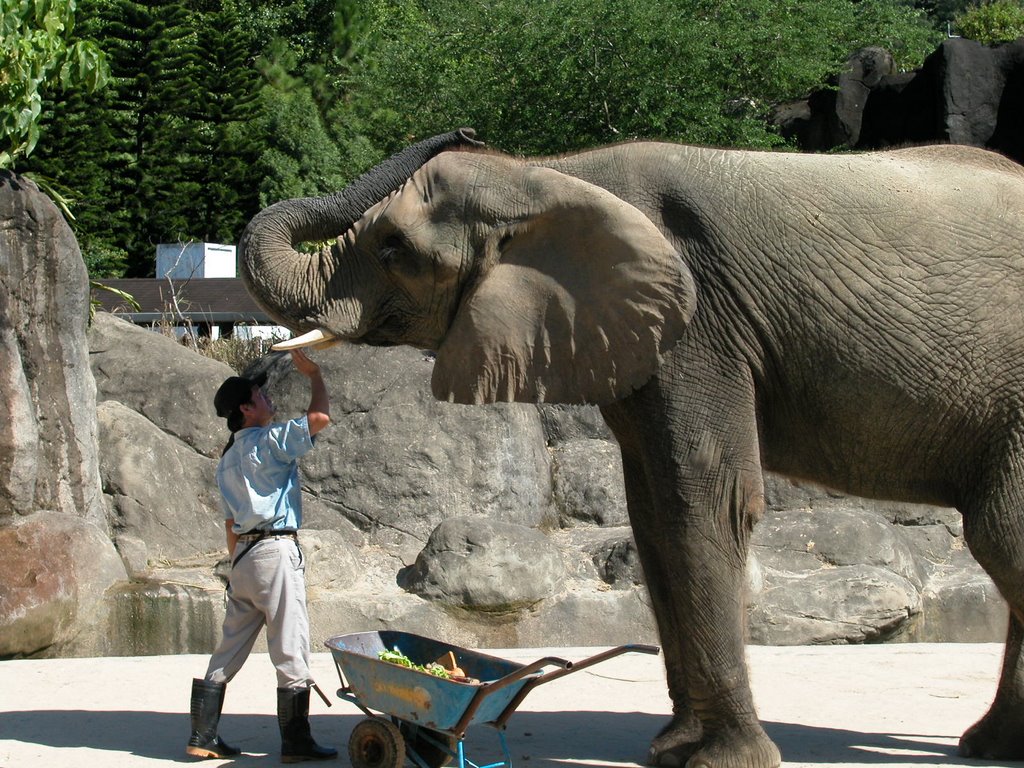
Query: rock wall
{"points": [[964, 93], [489, 526]]}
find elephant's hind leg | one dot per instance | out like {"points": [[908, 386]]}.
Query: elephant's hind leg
{"points": [[994, 530], [999, 735]]}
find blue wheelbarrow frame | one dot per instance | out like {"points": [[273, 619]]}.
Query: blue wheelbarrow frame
{"points": [[434, 713]]}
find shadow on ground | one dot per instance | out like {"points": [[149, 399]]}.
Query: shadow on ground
{"points": [[580, 736]]}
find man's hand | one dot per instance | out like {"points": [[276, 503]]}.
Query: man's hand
{"points": [[303, 364]]}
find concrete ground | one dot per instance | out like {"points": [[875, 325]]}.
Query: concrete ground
{"points": [[882, 706]]}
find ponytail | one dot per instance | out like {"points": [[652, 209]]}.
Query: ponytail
{"points": [[235, 422]]}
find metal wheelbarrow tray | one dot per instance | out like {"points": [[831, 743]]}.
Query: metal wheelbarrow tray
{"points": [[429, 715]]}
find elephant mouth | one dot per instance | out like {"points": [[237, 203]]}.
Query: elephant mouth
{"points": [[321, 339], [315, 339], [393, 330]]}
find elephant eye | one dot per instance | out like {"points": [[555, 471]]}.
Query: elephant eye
{"points": [[391, 249], [399, 258]]}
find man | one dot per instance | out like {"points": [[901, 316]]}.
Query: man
{"points": [[258, 477]]}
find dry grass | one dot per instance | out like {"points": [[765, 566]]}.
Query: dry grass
{"points": [[237, 353]]}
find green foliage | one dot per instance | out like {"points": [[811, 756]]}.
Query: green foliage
{"points": [[173, 157], [95, 304], [39, 54], [940, 12], [215, 177], [101, 257], [219, 107], [299, 158], [540, 77], [399, 658], [990, 23]]}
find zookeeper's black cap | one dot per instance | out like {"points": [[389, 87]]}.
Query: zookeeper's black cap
{"points": [[235, 392]]}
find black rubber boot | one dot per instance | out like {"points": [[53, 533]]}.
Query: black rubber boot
{"points": [[297, 743], [207, 700]]}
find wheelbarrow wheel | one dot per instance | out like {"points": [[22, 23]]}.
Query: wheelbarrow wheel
{"points": [[433, 755], [376, 743]]}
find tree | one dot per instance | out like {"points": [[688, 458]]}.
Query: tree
{"points": [[216, 180], [299, 158], [171, 155], [73, 153], [150, 44], [39, 55]]}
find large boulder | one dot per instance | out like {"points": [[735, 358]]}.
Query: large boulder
{"points": [[48, 456], [980, 93], [964, 93], [484, 565], [832, 576], [159, 378], [832, 568], [587, 483], [163, 494], [56, 558], [57, 569], [832, 116]]}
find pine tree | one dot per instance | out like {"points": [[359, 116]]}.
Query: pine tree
{"points": [[217, 161], [149, 44], [75, 145]]}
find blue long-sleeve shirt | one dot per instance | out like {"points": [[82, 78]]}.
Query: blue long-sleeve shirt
{"points": [[258, 476]]}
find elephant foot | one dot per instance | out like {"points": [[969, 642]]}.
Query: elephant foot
{"points": [[675, 742], [997, 736], [748, 748]]}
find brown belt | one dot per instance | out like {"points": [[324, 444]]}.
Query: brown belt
{"points": [[252, 538]]}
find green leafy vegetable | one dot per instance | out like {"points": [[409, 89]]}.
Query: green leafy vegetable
{"points": [[399, 658]]}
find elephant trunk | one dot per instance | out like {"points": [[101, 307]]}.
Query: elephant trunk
{"points": [[289, 285]]}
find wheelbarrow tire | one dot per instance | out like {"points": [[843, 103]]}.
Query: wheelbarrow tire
{"points": [[376, 743], [431, 754]]}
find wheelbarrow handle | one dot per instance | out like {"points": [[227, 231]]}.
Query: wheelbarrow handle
{"points": [[529, 669], [567, 668], [590, 661]]}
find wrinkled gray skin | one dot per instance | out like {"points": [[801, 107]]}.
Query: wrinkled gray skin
{"points": [[852, 320]]}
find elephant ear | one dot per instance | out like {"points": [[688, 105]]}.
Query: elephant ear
{"points": [[576, 302]]}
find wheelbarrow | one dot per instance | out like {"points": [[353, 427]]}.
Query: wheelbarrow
{"points": [[425, 717]]}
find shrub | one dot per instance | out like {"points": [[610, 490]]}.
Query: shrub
{"points": [[991, 23]]}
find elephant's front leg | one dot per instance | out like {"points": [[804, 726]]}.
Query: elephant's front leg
{"points": [[694, 490], [681, 736]]}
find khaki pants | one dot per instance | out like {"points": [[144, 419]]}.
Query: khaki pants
{"points": [[268, 587]]}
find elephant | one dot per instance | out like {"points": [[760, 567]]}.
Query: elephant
{"points": [[855, 320]]}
